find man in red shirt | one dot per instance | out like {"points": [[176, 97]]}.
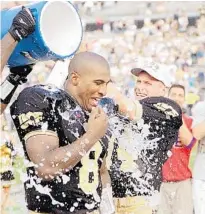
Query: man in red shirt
{"points": [[176, 189]]}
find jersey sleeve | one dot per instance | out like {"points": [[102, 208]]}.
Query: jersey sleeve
{"points": [[164, 118], [34, 113]]}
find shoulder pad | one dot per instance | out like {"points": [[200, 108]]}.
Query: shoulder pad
{"points": [[41, 92]]}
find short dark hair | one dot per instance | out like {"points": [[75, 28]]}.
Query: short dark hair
{"points": [[176, 86]]}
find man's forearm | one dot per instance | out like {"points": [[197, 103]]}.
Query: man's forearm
{"points": [[106, 205], [185, 135], [105, 177], [63, 159], [199, 131], [7, 46], [127, 107], [3, 106]]}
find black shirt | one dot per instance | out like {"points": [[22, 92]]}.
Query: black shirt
{"points": [[53, 111], [136, 164]]}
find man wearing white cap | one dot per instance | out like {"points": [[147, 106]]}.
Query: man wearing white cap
{"points": [[152, 79], [136, 190]]}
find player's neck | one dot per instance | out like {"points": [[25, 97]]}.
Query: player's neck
{"points": [[72, 92]]}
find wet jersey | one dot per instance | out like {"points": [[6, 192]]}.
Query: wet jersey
{"points": [[51, 111], [142, 148]]}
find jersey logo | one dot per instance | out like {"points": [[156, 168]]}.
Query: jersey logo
{"points": [[167, 109], [30, 118]]}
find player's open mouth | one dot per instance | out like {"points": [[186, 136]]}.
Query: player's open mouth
{"points": [[94, 101], [141, 95]]}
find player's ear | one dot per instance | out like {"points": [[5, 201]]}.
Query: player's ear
{"points": [[74, 77]]}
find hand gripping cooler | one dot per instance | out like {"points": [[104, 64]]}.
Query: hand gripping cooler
{"points": [[58, 32]]}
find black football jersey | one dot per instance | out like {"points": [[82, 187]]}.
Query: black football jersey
{"points": [[142, 147], [52, 111]]}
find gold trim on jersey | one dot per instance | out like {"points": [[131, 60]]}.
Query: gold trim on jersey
{"points": [[40, 132]]}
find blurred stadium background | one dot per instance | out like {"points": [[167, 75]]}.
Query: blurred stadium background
{"points": [[172, 33]]}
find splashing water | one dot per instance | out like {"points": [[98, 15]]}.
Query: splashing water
{"points": [[65, 178], [43, 190], [131, 139], [44, 127], [90, 206], [134, 145]]}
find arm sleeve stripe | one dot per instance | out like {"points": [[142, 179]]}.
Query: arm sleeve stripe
{"points": [[40, 132]]}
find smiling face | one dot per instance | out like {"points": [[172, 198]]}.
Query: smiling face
{"points": [[88, 84], [91, 88], [178, 95], [147, 86]]}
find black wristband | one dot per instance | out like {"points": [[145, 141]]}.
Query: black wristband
{"points": [[16, 79], [7, 91]]}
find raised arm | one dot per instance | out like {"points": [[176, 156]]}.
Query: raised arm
{"points": [[186, 137], [198, 127], [23, 24], [127, 107], [50, 159], [107, 203], [30, 112], [7, 46], [199, 130]]}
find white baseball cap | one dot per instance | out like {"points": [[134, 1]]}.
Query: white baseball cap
{"points": [[156, 70]]}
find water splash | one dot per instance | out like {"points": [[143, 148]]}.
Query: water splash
{"points": [[43, 190]]}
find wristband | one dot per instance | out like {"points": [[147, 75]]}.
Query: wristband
{"points": [[191, 144]]}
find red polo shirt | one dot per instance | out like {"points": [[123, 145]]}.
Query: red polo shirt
{"points": [[176, 168]]}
